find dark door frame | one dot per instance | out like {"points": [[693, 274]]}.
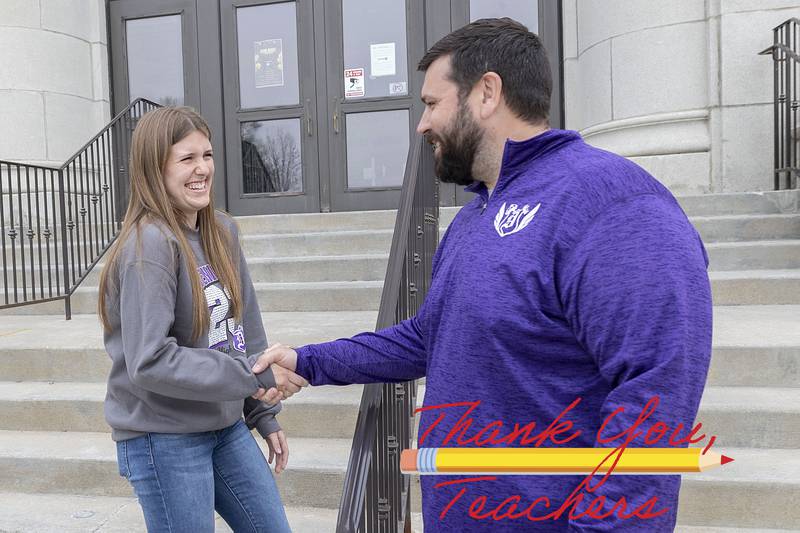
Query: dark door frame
{"points": [[201, 79], [338, 196], [304, 111]]}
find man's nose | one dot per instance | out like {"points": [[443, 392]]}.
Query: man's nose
{"points": [[422, 125]]}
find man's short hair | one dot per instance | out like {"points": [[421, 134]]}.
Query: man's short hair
{"points": [[503, 46]]}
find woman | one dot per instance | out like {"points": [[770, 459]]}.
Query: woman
{"points": [[183, 329]]}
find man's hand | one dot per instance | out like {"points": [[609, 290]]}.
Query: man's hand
{"points": [[278, 449], [278, 354], [283, 361]]}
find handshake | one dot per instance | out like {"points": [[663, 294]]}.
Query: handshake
{"points": [[283, 361]]}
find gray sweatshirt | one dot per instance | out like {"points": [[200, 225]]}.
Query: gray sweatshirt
{"points": [[161, 381]]}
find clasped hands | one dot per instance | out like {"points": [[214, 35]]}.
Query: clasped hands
{"points": [[283, 361]]}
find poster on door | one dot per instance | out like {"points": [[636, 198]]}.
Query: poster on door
{"points": [[382, 59], [353, 82], [269, 63]]}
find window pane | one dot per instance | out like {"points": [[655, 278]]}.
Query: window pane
{"points": [[524, 11], [268, 72], [271, 156], [377, 147], [375, 57], [155, 59]]}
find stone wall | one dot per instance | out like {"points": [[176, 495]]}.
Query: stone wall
{"points": [[54, 80], [676, 86]]}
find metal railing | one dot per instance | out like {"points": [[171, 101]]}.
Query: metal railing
{"points": [[376, 495], [56, 223], [786, 71]]}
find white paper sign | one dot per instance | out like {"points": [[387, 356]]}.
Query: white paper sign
{"points": [[382, 59], [398, 88], [353, 82]]}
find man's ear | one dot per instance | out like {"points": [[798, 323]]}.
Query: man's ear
{"points": [[490, 88]]}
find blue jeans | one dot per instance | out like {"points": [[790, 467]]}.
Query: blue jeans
{"points": [[180, 479]]}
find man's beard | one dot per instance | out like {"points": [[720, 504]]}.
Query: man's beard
{"points": [[458, 147]]}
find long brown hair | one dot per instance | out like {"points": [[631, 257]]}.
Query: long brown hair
{"points": [[153, 137]]}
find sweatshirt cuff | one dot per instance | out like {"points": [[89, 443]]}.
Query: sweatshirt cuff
{"points": [[266, 379], [304, 370], [267, 424]]}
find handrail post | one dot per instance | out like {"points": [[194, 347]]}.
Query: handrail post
{"points": [[64, 247]]}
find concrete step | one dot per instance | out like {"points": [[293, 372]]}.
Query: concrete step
{"points": [[66, 513], [364, 267], [760, 489], [377, 240], [747, 255], [86, 464], [752, 417], [79, 514], [315, 244], [747, 227], [316, 222], [755, 346], [707, 529], [723, 256], [754, 255], [741, 287], [755, 287], [75, 406], [272, 297], [740, 203], [50, 348]]}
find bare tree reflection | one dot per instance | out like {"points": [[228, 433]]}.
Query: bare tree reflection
{"points": [[271, 159]]}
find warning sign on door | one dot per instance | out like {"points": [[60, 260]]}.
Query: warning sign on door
{"points": [[353, 82]]}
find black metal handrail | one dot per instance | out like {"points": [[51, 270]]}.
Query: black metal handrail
{"points": [[376, 495], [56, 223], [785, 54]]}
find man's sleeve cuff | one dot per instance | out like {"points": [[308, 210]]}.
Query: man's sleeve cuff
{"points": [[303, 369]]}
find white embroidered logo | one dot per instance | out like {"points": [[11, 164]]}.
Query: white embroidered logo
{"points": [[511, 220]]}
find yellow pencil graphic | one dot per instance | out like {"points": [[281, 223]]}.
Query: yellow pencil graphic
{"points": [[527, 461]]}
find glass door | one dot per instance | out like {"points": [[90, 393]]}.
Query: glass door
{"points": [[268, 71], [156, 52], [372, 50]]}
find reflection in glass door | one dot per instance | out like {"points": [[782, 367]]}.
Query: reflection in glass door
{"points": [[268, 63]]}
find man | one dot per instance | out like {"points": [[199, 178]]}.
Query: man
{"points": [[573, 275]]}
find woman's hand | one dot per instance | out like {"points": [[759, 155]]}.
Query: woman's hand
{"points": [[278, 450]]}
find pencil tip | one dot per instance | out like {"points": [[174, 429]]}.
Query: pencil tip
{"points": [[726, 460]]}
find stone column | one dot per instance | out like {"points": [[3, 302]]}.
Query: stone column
{"points": [[54, 88], [676, 86]]}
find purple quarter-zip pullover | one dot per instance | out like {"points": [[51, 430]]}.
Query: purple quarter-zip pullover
{"points": [[579, 278]]}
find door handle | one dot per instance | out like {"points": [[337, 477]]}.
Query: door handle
{"points": [[336, 122], [309, 124]]}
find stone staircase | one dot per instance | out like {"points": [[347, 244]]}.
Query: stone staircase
{"points": [[318, 277]]}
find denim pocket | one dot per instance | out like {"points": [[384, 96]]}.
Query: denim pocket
{"points": [[122, 459]]}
